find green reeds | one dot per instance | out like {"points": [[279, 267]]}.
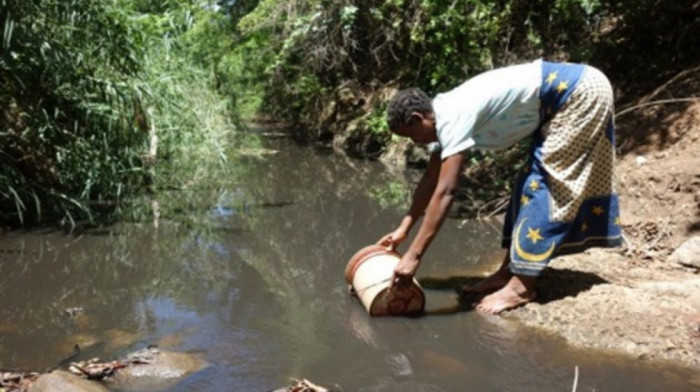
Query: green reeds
{"points": [[86, 88]]}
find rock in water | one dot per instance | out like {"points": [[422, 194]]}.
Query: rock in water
{"points": [[62, 381], [154, 369], [400, 364]]}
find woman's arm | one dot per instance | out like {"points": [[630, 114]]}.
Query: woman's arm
{"points": [[424, 191], [421, 196], [438, 207]]}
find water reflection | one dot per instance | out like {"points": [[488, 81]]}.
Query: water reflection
{"points": [[250, 273]]}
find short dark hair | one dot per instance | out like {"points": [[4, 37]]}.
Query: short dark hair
{"points": [[405, 102]]}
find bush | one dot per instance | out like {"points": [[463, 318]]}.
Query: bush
{"points": [[325, 66], [318, 46]]}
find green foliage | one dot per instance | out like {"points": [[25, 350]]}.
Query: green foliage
{"points": [[85, 84], [191, 117], [393, 194], [432, 44], [308, 49], [69, 127], [376, 122], [308, 53], [242, 79]]}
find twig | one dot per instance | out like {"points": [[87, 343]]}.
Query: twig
{"points": [[575, 379], [500, 207], [659, 102], [680, 75], [493, 207]]}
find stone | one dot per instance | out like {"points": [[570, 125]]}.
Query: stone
{"points": [[688, 254], [394, 157], [682, 289], [163, 370], [694, 301], [400, 364], [62, 381]]}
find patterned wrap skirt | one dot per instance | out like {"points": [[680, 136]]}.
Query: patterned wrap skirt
{"points": [[564, 200]]}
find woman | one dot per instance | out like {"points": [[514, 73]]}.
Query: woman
{"points": [[564, 200]]}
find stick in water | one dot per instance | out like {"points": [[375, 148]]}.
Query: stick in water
{"points": [[575, 379]]}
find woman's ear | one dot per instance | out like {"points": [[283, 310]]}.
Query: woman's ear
{"points": [[416, 118]]}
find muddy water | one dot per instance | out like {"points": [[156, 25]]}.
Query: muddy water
{"points": [[253, 280]]}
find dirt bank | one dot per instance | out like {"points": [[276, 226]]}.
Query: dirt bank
{"points": [[637, 300]]}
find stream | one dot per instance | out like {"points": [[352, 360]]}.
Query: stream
{"points": [[253, 281]]}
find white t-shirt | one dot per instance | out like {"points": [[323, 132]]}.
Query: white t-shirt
{"points": [[492, 110]]}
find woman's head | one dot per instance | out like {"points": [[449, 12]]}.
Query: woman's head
{"points": [[410, 114]]}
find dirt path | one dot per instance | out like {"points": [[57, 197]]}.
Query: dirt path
{"points": [[635, 300]]}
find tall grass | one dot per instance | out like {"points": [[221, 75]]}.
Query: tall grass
{"points": [[193, 120], [85, 86], [68, 129]]}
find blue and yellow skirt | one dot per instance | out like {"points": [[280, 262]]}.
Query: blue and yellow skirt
{"points": [[564, 201]]}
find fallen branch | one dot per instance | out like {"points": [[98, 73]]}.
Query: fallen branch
{"points": [[659, 102], [93, 369], [679, 76]]}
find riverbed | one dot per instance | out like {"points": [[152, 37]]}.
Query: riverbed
{"points": [[248, 273]]}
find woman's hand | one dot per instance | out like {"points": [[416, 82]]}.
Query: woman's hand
{"points": [[393, 239], [405, 270]]}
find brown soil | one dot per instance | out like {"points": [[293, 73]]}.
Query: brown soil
{"points": [[634, 300]]}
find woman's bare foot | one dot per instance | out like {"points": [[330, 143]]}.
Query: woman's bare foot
{"points": [[518, 291], [495, 281]]}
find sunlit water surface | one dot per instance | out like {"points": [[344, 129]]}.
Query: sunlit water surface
{"points": [[253, 281]]}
